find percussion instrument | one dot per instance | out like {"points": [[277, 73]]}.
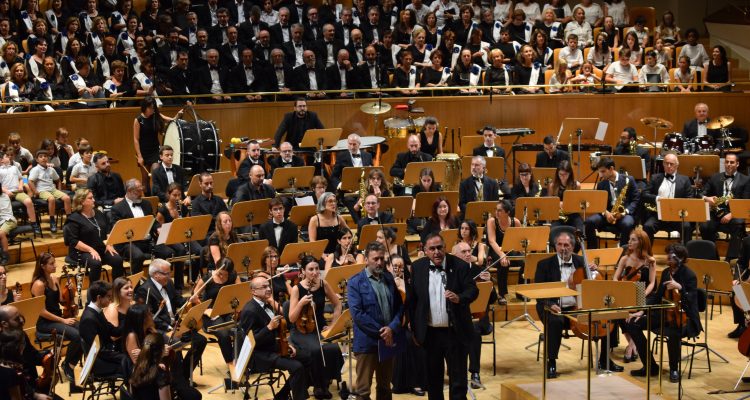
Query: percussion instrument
{"points": [[365, 142], [656, 123], [720, 122], [375, 108], [397, 127], [703, 145], [196, 145], [674, 142], [452, 170]]}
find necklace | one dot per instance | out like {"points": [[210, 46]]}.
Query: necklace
{"points": [[95, 223]]}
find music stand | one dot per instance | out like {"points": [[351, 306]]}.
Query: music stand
{"points": [[423, 209], [320, 139], [716, 277], [185, 230], [543, 290], [583, 128], [88, 363], [231, 299], [479, 305], [30, 309], [129, 230], [544, 175], [250, 213], [338, 278], [635, 166], [584, 201], [709, 164], [529, 239], [191, 321], [248, 345], [300, 215], [341, 326], [290, 177], [740, 208], [682, 210], [400, 207], [369, 233], [606, 257], [135, 279], [411, 173], [244, 253], [495, 167], [291, 252], [480, 211], [538, 208], [154, 201], [221, 179], [351, 177]]}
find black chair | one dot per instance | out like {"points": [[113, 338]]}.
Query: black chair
{"points": [[693, 342], [16, 238], [100, 385]]}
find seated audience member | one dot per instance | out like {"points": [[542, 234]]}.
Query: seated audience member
{"points": [[44, 183], [105, 185]]}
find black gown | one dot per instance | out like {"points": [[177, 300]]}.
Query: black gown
{"points": [[149, 139], [327, 232]]}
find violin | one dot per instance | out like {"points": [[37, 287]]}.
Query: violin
{"points": [[68, 295], [743, 345], [283, 332], [306, 321], [632, 274], [675, 316]]}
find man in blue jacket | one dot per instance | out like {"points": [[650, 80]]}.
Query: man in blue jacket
{"points": [[376, 308]]}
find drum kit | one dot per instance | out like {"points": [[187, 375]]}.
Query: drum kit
{"points": [[396, 127]]}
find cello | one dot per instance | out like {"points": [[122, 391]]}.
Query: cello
{"points": [[580, 329]]}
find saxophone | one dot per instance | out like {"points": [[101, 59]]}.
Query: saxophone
{"points": [[538, 192], [563, 215], [633, 145], [480, 190], [618, 209], [362, 193], [525, 222], [721, 205]]}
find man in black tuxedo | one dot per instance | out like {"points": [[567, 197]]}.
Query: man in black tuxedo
{"points": [[230, 53], [165, 52], [252, 27], [217, 34], [313, 28], [696, 127], [353, 157], [109, 360], [442, 323], [166, 174], [371, 29], [551, 156], [278, 231], [297, 11], [670, 185], [238, 11], [489, 148], [262, 49], [254, 157], [207, 203], [296, 46], [344, 27], [255, 189], [356, 47], [398, 169], [612, 220], [283, 75], [327, 47], [159, 287], [285, 159], [309, 78], [249, 76], [730, 182], [560, 268], [296, 123], [372, 75], [373, 216], [211, 79], [132, 207], [197, 52], [477, 187], [262, 315], [341, 75], [180, 77], [281, 32], [629, 136]]}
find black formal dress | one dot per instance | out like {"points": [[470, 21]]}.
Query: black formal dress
{"points": [[148, 141], [223, 336], [92, 232], [109, 360]]}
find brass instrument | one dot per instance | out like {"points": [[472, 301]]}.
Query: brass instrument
{"points": [[650, 206], [525, 221], [480, 191], [633, 145], [563, 216], [721, 205], [362, 193], [570, 146], [618, 209], [538, 192]]}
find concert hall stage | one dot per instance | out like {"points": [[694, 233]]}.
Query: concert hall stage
{"points": [[611, 387]]}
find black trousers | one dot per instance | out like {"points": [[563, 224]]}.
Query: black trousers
{"points": [[442, 347], [223, 336], [141, 251], [595, 222], [95, 267], [674, 338], [735, 228], [297, 380], [198, 344], [554, 331], [481, 327], [653, 225]]}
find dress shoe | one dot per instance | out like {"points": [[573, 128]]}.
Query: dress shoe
{"points": [[75, 388], [552, 372], [642, 371], [737, 332], [612, 367], [502, 301], [68, 371], [418, 392], [476, 382], [674, 376]]}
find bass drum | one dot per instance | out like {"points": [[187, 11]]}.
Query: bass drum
{"points": [[196, 145]]}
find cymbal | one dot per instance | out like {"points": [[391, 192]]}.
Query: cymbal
{"points": [[375, 108], [656, 122], [721, 122]]}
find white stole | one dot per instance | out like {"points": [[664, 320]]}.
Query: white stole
{"points": [[394, 17], [439, 36], [12, 91], [527, 31], [126, 42], [97, 42], [104, 65], [395, 49], [52, 19], [554, 29], [109, 85], [146, 84], [86, 19], [33, 66], [547, 55], [412, 77], [79, 83], [63, 41], [536, 69], [337, 11], [482, 47], [471, 29], [446, 75], [427, 51], [474, 74], [136, 63], [454, 55], [4, 70], [71, 62], [516, 46], [496, 31], [47, 89]]}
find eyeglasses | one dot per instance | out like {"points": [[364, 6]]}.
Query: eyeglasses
{"points": [[436, 248]]}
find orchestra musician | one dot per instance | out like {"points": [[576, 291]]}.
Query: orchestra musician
{"points": [[150, 378], [159, 287], [44, 283], [377, 185], [214, 281], [278, 230], [437, 304], [678, 277], [414, 154], [442, 218], [165, 174], [352, 157], [262, 316], [122, 299], [719, 188], [207, 203], [551, 156], [560, 268], [106, 185], [147, 127], [269, 262], [478, 187], [326, 223], [669, 185], [219, 241], [296, 123], [373, 216], [564, 180], [255, 188], [697, 127], [525, 186], [496, 227], [109, 359], [312, 291], [637, 263], [489, 148], [168, 212], [387, 237], [430, 138], [376, 308], [286, 159], [7, 294], [611, 220], [346, 250], [627, 136], [254, 157]]}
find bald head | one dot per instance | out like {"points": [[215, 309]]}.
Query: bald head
{"points": [[10, 318], [257, 174]]}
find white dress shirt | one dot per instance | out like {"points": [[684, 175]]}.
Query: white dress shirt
{"points": [[438, 303], [565, 272]]}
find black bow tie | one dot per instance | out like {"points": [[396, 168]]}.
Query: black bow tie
{"points": [[342, 67], [168, 169], [729, 176], [437, 268], [669, 176], [278, 68], [287, 164], [137, 205], [310, 69], [702, 122], [376, 219], [567, 265], [213, 68], [298, 45], [248, 68], [267, 306], [280, 225], [358, 47], [356, 155]]}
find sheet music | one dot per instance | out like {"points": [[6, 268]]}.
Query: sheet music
{"points": [[739, 294], [601, 131], [643, 168], [243, 358], [164, 233], [89, 362], [305, 201]]}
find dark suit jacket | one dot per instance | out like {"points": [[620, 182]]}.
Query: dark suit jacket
{"points": [[162, 321], [366, 312], [313, 32], [122, 210], [548, 270], [482, 151], [259, 52], [163, 56], [289, 234], [543, 160], [403, 159], [382, 218], [290, 54], [690, 130], [102, 195], [273, 80], [740, 186], [277, 37], [243, 171], [238, 82], [291, 124], [276, 163], [458, 280], [338, 32], [254, 318], [248, 192], [333, 78], [343, 160], [216, 35], [301, 81], [321, 50], [246, 31], [364, 76], [467, 191], [294, 15], [682, 190], [631, 197], [159, 182], [688, 294], [353, 55], [234, 14], [180, 81], [95, 324], [195, 56], [367, 29], [226, 59], [401, 78], [202, 80]]}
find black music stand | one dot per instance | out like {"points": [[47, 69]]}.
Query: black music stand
{"points": [[129, 230], [582, 128], [287, 181], [185, 230], [250, 213]]}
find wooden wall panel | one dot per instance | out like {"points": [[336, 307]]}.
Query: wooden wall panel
{"points": [[111, 129]]}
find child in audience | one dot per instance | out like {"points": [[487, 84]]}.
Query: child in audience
{"points": [[12, 184], [7, 225], [23, 155], [684, 74], [571, 54], [43, 181], [83, 170], [653, 72]]}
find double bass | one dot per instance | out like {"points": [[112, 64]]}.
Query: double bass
{"points": [[580, 329]]}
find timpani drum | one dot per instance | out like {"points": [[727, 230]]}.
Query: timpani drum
{"points": [[196, 145], [452, 170]]}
